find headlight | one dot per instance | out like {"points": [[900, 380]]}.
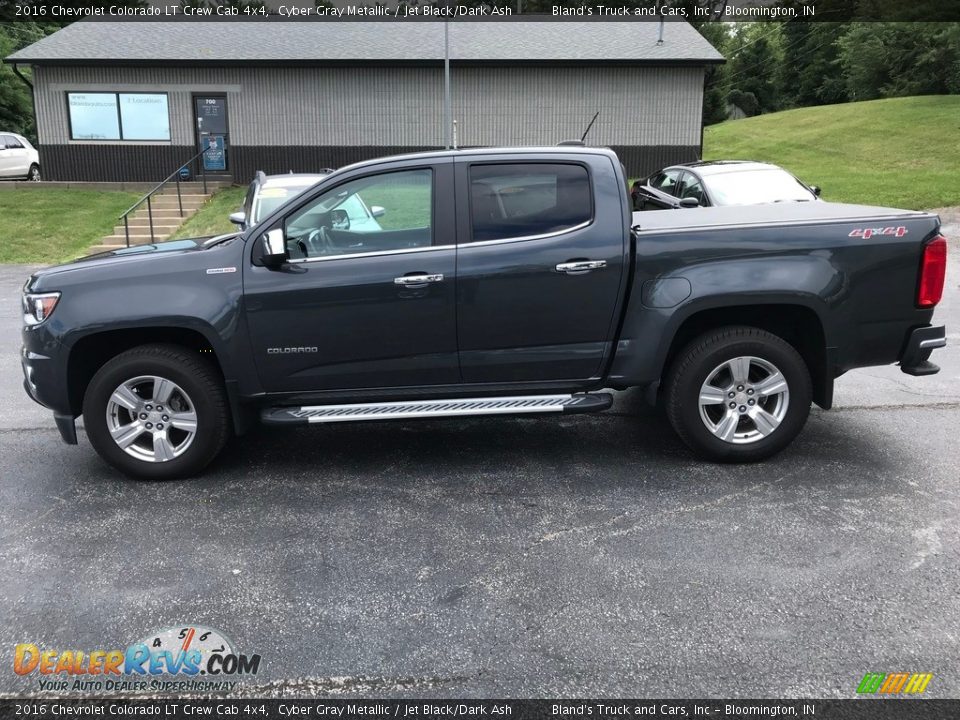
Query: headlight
{"points": [[37, 307]]}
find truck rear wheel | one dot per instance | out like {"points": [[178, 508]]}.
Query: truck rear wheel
{"points": [[738, 394], [156, 412]]}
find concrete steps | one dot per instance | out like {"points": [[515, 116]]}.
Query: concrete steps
{"points": [[165, 209]]}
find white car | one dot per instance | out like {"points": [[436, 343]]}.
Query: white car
{"points": [[18, 158], [268, 192]]}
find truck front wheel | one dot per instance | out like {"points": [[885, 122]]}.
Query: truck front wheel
{"points": [[738, 394], [156, 412]]}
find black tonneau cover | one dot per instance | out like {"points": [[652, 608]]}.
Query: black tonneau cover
{"points": [[771, 214]]}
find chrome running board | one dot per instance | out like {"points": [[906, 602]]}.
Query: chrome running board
{"points": [[450, 407]]}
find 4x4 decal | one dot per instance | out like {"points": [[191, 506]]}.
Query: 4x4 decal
{"points": [[867, 233]]}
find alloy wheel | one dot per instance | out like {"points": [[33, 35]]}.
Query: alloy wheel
{"points": [[744, 400], [151, 418]]}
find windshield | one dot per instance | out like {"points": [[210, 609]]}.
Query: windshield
{"points": [[270, 198], [753, 187]]}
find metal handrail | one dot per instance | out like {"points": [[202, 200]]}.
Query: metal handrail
{"points": [[146, 198]]}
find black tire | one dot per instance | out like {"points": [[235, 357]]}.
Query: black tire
{"points": [[701, 358], [201, 385], [33, 174]]}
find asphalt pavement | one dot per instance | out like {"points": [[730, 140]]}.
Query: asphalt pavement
{"points": [[582, 556]]}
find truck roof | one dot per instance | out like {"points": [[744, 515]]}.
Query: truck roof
{"points": [[461, 152]]}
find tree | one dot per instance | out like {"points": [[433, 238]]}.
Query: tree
{"points": [[809, 72], [714, 82], [746, 101], [753, 63], [16, 104], [882, 59]]}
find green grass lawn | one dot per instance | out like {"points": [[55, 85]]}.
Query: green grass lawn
{"points": [[52, 226], [900, 152], [213, 217], [406, 206]]}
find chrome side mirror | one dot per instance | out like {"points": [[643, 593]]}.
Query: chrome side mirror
{"points": [[378, 211], [273, 247], [238, 218]]}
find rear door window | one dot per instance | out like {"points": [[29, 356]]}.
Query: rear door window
{"points": [[522, 200]]}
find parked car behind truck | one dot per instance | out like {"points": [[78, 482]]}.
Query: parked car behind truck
{"points": [[509, 281], [266, 193], [719, 182]]}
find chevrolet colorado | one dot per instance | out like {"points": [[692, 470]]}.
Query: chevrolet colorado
{"points": [[497, 281]]}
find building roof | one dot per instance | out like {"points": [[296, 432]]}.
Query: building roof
{"points": [[275, 42]]}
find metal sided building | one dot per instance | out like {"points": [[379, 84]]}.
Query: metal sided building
{"points": [[133, 101]]}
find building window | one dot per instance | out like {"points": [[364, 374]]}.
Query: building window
{"points": [[119, 116], [527, 200]]}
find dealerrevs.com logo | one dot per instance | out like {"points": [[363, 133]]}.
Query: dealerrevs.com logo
{"points": [[183, 659]]}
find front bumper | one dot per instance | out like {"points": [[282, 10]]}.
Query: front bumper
{"points": [[44, 378], [915, 359], [29, 363]]}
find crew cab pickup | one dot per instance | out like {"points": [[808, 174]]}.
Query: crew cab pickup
{"points": [[497, 281]]}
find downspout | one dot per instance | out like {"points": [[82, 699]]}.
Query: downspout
{"points": [[33, 98], [705, 71], [16, 71]]}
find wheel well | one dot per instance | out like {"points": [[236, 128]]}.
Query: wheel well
{"points": [[798, 325], [90, 353]]}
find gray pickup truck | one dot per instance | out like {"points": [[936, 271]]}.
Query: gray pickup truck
{"points": [[497, 281]]}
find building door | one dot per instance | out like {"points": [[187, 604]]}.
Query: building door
{"points": [[212, 132]]}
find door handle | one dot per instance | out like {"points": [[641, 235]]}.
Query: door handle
{"points": [[418, 279], [580, 266]]}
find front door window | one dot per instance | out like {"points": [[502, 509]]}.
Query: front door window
{"points": [[380, 213]]}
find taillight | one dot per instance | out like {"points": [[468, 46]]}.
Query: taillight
{"points": [[932, 271]]}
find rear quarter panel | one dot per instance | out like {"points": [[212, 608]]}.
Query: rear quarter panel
{"points": [[863, 289]]}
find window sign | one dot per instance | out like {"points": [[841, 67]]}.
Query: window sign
{"points": [[215, 153], [93, 116], [144, 116], [119, 116]]}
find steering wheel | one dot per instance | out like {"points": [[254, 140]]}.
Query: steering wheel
{"points": [[318, 242]]}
